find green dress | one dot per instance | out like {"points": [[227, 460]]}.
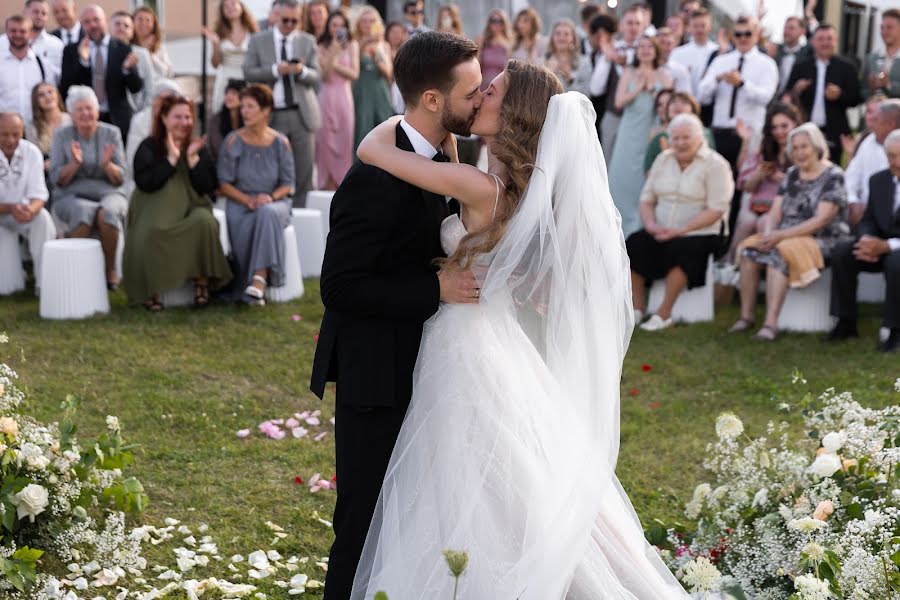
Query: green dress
{"points": [[171, 235], [371, 99]]}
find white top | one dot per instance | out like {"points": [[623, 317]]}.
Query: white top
{"points": [[681, 78], [694, 58], [818, 108], [869, 159], [788, 59], [17, 81], [49, 49], [22, 178], [760, 81], [422, 146], [629, 49]]}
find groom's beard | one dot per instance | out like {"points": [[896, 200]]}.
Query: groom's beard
{"points": [[455, 123]]}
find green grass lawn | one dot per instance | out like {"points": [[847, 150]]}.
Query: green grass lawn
{"points": [[184, 381]]}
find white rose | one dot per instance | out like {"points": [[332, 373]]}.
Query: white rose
{"points": [[761, 498], [37, 462], [31, 501], [729, 426], [826, 465], [834, 441], [112, 423]]}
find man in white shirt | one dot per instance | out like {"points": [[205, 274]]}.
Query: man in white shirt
{"points": [[21, 68], [45, 46], [681, 78], [23, 191], [694, 55], [69, 30], [870, 158], [605, 75]]}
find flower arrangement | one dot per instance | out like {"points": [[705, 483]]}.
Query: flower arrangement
{"points": [[795, 518]]}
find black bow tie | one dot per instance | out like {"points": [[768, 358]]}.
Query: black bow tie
{"points": [[440, 157]]}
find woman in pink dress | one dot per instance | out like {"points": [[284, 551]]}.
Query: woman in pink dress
{"points": [[339, 64], [495, 46]]}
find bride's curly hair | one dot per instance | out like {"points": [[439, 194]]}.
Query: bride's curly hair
{"points": [[522, 114]]}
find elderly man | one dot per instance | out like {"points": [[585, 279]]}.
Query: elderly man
{"points": [[683, 208], [23, 191], [22, 69], [69, 30], [870, 157], [877, 250]]}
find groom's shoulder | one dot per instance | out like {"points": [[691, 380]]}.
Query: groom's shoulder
{"points": [[363, 178]]}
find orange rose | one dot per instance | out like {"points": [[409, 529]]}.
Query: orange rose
{"points": [[824, 510]]}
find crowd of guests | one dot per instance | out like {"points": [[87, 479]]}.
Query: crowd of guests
{"points": [[730, 147]]}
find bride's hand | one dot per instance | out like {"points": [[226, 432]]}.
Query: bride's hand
{"points": [[448, 147], [383, 135]]}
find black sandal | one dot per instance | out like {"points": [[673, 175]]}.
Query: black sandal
{"points": [[201, 295], [153, 305]]}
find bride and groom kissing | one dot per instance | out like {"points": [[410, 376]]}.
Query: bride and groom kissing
{"points": [[477, 346]]}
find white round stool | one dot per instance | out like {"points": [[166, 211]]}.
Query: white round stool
{"points": [[293, 279], [321, 201], [219, 214], [12, 275], [807, 309], [307, 223], [73, 282]]}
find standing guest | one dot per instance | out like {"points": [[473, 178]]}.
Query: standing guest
{"points": [[45, 46], [339, 60], [794, 49], [69, 30], [23, 191], [646, 13], [172, 236], [681, 77], [256, 175], [105, 64], [683, 208], [688, 7], [271, 20], [315, 16], [680, 103], [395, 35], [530, 45], [806, 221], [148, 34], [605, 74], [142, 121], [881, 69], [494, 46], [228, 119], [826, 86], [48, 115], [87, 169], [870, 158], [121, 27], [449, 19], [639, 85], [287, 60], [229, 39], [675, 23], [21, 67], [563, 58], [587, 13], [876, 250], [695, 55], [371, 92], [630, 27], [414, 15]]}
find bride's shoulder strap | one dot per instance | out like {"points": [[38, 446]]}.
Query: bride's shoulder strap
{"points": [[498, 183]]}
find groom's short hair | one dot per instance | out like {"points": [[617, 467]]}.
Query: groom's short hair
{"points": [[426, 62]]}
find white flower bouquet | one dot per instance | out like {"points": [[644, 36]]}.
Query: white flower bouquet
{"points": [[783, 517]]}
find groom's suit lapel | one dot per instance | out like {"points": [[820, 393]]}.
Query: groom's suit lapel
{"points": [[404, 144]]}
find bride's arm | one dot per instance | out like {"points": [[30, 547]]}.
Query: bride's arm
{"points": [[467, 184]]}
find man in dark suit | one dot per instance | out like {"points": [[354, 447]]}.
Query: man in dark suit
{"points": [[379, 286], [827, 85], [793, 50], [69, 30], [105, 64], [877, 250]]}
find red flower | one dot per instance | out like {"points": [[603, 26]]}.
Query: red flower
{"points": [[645, 368], [334, 478], [654, 405], [316, 337], [298, 480], [634, 392]]}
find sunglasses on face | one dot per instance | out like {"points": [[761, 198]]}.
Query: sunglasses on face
{"points": [[743, 34], [288, 21], [495, 20]]}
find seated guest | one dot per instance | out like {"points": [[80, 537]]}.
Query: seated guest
{"points": [[806, 221], [660, 106], [870, 157], [23, 191], [683, 208], [761, 174], [172, 235], [680, 103], [87, 169], [142, 120], [220, 124], [48, 115], [256, 175], [851, 142], [877, 250]]}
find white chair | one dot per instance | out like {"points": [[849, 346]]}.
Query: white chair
{"points": [[12, 275], [321, 201], [807, 309], [307, 224], [870, 288], [693, 306], [293, 280], [73, 280], [219, 214]]}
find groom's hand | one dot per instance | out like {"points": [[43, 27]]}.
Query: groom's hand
{"points": [[458, 287]]}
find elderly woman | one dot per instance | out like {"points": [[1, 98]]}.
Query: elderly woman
{"points": [[256, 175], [807, 219], [172, 235], [87, 169], [684, 209]]}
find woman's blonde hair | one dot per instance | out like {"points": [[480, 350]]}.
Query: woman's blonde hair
{"points": [[377, 27], [522, 114]]}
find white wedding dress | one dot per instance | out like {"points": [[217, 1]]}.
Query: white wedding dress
{"points": [[509, 446]]}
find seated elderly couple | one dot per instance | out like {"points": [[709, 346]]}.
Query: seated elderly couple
{"points": [[171, 235]]}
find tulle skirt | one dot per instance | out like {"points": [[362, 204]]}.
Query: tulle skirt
{"points": [[492, 461]]}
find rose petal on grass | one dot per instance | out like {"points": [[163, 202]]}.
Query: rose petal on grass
{"points": [[321, 436], [243, 433], [646, 368], [296, 318]]}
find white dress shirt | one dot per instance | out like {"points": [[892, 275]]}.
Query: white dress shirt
{"points": [[894, 243], [694, 58], [70, 36], [681, 78], [278, 87], [49, 49], [22, 178], [760, 81], [629, 50], [869, 159], [817, 115], [600, 76], [422, 146], [18, 79], [788, 60]]}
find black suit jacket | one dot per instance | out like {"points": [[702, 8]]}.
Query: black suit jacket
{"points": [[58, 33], [378, 285], [880, 219], [117, 81], [840, 72]]}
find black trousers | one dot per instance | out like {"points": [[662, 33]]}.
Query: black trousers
{"points": [[845, 270], [728, 144], [364, 440]]}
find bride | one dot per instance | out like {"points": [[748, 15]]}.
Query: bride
{"points": [[509, 447]]}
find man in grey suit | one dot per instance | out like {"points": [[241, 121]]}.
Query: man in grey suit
{"points": [[285, 58]]}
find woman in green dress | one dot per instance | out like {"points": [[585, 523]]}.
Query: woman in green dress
{"points": [[371, 91], [172, 236]]}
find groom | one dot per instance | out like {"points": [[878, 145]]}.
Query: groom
{"points": [[379, 286]]}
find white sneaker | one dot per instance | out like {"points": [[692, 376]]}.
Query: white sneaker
{"points": [[657, 323], [638, 316]]}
